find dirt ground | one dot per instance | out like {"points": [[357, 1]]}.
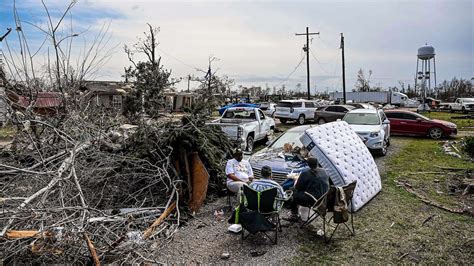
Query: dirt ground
{"points": [[205, 239]]}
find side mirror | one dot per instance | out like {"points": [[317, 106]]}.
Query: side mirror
{"points": [[419, 119], [386, 121]]}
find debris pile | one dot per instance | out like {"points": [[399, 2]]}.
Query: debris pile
{"points": [[76, 189]]}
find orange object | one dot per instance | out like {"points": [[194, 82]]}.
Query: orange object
{"points": [[199, 181], [15, 234]]}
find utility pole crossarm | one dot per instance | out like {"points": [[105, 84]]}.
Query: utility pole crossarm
{"points": [[307, 56]]}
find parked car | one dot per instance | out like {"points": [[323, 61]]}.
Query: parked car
{"points": [[373, 128], [245, 125], [268, 108], [222, 110], [296, 110], [412, 124], [281, 162], [331, 113], [464, 105], [361, 105]]}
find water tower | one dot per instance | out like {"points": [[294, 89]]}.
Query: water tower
{"points": [[426, 54]]}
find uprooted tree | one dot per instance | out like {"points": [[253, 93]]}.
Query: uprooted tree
{"points": [[80, 186]]}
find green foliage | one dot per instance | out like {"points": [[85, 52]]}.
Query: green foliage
{"points": [[469, 146], [150, 78], [191, 134]]}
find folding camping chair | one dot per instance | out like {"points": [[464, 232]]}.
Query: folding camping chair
{"points": [[345, 192], [264, 204], [326, 203]]}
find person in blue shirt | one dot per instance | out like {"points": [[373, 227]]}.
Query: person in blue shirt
{"points": [[266, 182]]}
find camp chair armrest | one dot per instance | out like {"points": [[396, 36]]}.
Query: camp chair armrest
{"points": [[308, 194], [287, 197]]}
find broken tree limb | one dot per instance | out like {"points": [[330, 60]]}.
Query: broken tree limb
{"points": [[92, 250], [453, 169], [158, 221], [17, 234], [423, 198]]}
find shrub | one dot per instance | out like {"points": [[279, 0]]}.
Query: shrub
{"points": [[469, 146]]}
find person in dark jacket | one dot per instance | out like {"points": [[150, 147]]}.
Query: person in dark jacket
{"points": [[314, 181]]}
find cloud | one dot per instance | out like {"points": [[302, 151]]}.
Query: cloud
{"points": [[255, 40]]}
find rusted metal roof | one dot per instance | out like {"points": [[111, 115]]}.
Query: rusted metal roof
{"points": [[42, 100]]}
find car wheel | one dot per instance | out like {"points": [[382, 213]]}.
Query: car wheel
{"points": [[249, 144], [321, 121], [383, 150], [388, 142], [451, 110], [464, 110], [283, 121], [301, 120], [435, 133]]}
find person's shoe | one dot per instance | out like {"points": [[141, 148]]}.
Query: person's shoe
{"points": [[294, 218]]}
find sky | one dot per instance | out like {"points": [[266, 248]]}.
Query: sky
{"points": [[255, 42]]}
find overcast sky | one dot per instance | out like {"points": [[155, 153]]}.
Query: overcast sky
{"points": [[255, 41]]}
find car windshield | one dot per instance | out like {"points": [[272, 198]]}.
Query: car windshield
{"points": [[288, 137], [362, 119]]}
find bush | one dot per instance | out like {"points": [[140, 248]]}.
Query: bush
{"points": [[469, 146]]}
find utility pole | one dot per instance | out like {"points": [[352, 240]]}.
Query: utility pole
{"points": [[343, 70], [306, 49], [189, 79]]}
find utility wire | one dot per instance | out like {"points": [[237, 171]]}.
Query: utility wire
{"points": [[181, 61], [292, 72], [320, 64]]}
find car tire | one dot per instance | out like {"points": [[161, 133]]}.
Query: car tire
{"points": [[451, 109], [249, 144], [321, 121], [383, 150], [388, 142], [301, 120], [464, 110], [435, 133], [283, 121]]}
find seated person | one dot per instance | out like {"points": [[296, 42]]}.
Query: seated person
{"points": [[315, 181], [238, 171], [266, 182]]}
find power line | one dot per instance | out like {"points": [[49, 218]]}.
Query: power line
{"points": [[320, 65], [292, 72], [181, 61]]}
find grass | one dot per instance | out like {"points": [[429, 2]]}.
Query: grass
{"points": [[6, 132], [390, 229], [463, 124]]}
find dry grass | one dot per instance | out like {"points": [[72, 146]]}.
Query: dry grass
{"points": [[396, 227]]}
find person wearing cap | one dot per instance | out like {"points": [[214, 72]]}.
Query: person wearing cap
{"points": [[238, 171], [266, 182], [314, 181]]}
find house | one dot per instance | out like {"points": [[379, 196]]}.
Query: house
{"points": [[108, 94], [178, 101], [42, 103]]}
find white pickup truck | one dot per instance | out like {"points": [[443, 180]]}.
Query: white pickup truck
{"points": [[464, 105], [245, 125]]}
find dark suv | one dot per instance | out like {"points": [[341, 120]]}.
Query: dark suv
{"points": [[331, 113]]}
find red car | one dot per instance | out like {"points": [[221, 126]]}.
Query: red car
{"points": [[413, 124]]}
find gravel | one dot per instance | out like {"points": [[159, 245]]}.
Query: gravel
{"points": [[205, 239]]}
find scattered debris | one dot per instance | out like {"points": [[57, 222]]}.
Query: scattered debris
{"points": [[225, 255], [423, 198]]}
